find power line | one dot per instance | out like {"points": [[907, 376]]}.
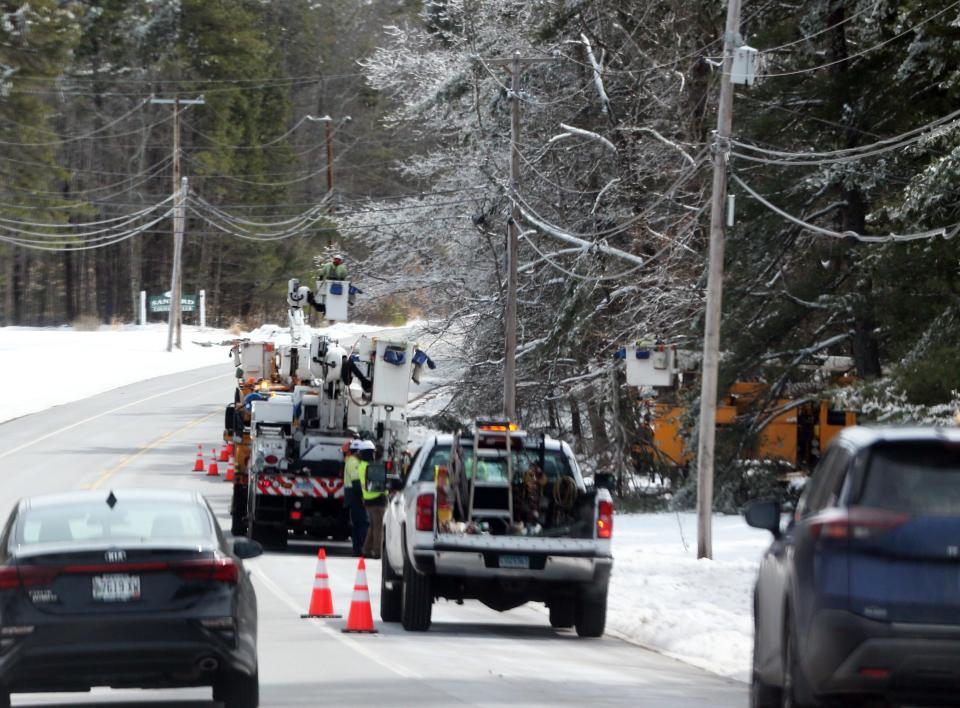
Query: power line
{"points": [[807, 38], [880, 147], [889, 238], [862, 52]]}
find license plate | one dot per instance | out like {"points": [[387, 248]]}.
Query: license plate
{"points": [[514, 561], [116, 588]]}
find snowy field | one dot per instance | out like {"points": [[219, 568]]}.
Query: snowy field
{"points": [[48, 366], [661, 596]]}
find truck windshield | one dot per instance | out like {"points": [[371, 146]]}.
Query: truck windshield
{"points": [[555, 463]]}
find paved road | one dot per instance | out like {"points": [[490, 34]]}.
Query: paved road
{"points": [[146, 435]]}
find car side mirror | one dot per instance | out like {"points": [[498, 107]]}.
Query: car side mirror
{"points": [[246, 548], [764, 514], [604, 480], [394, 482]]}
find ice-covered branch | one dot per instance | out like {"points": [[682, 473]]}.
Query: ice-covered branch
{"points": [[597, 75], [568, 238], [670, 143], [589, 134]]}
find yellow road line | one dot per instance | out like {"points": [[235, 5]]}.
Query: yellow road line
{"points": [[107, 474]]}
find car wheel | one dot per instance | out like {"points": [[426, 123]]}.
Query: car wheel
{"points": [[391, 598], [590, 615], [562, 614], [237, 690], [795, 693], [417, 599]]}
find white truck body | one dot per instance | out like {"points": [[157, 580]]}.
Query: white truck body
{"points": [[567, 572]]}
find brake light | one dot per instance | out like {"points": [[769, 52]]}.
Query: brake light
{"points": [[9, 579], [424, 520], [604, 519], [221, 570], [856, 523], [26, 576]]}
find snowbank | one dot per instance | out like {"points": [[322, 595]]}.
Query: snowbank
{"points": [[661, 596], [45, 367], [49, 366]]}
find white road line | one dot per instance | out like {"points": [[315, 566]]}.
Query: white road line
{"points": [[60, 430], [281, 594]]}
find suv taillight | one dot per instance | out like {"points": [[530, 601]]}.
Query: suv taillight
{"points": [[856, 523], [424, 520], [604, 519]]}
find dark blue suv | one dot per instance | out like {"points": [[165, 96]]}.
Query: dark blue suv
{"points": [[858, 599]]}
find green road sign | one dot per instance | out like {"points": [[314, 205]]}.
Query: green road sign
{"points": [[161, 303]]}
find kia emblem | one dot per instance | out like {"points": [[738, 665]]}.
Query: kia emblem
{"points": [[115, 556]]}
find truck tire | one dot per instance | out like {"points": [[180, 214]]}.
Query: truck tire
{"points": [[238, 511], [591, 613], [391, 600], [563, 614], [417, 599]]}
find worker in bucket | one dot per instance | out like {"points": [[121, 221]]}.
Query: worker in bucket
{"points": [[373, 482], [353, 496], [333, 269]]}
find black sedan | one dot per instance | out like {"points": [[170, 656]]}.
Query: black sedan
{"points": [[128, 589]]}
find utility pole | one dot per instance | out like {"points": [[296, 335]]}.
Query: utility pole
{"points": [[176, 289], [513, 249], [179, 200], [515, 66], [711, 338]]}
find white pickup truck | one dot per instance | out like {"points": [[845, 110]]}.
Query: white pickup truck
{"points": [[474, 522]]}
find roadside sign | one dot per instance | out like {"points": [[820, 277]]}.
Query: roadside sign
{"points": [[161, 303]]}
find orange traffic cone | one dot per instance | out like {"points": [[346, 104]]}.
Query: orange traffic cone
{"points": [[361, 615], [224, 455], [198, 465], [321, 599], [230, 449], [213, 470], [229, 477]]}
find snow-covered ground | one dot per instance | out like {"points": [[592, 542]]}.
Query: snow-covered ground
{"points": [[661, 596], [48, 366]]}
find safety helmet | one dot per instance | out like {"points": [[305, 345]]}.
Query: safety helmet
{"points": [[364, 445], [355, 445], [337, 259]]}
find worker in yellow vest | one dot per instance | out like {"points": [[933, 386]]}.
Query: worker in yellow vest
{"points": [[374, 497], [353, 496]]}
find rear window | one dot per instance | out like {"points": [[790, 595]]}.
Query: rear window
{"points": [[555, 463], [138, 521], [915, 478]]}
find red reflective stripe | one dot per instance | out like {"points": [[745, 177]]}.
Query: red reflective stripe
{"points": [[361, 588]]}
